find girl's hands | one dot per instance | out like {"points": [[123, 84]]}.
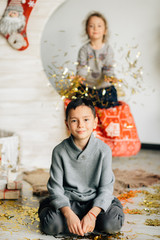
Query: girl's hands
{"points": [[88, 223], [110, 79]]}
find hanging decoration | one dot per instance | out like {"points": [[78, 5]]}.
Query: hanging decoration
{"points": [[13, 23]]}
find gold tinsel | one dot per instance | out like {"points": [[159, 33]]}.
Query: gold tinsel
{"points": [[152, 222], [151, 201], [69, 84]]}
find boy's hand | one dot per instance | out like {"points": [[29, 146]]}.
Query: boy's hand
{"points": [[73, 222], [88, 223]]}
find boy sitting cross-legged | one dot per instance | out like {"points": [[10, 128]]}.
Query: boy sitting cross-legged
{"points": [[81, 180]]}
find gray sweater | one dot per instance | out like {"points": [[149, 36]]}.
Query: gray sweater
{"points": [[81, 175], [93, 65]]}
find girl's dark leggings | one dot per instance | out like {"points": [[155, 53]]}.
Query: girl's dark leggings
{"points": [[102, 98]]}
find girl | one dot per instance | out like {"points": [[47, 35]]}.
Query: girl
{"points": [[95, 64]]}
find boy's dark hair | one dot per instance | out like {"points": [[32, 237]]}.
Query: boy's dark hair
{"points": [[80, 102]]}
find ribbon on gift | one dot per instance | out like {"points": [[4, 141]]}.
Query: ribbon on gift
{"points": [[14, 185], [9, 194]]}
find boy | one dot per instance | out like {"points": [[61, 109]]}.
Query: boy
{"points": [[81, 180]]}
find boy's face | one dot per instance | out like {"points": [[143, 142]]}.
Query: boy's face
{"points": [[81, 122]]}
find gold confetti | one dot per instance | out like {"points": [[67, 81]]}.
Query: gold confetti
{"points": [[19, 216], [152, 222], [68, 84], [129, 126], [103, 92], [130, 222]]}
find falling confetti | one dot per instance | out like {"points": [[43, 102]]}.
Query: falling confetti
{"points": [[68, 84], [129, 67]]}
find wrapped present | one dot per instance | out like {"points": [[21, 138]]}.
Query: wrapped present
{"points": [[13, 180], [9, 156], [3, 182], [10, 194], [14, 185]]}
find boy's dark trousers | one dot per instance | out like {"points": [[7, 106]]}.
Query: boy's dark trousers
{"points": [[52, 222]]}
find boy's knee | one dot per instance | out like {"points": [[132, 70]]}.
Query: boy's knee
{"points": [[47, 228], [50, 223], [114, 221]]}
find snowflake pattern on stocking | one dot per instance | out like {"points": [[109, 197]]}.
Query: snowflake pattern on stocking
{"points": [[31, 3]]}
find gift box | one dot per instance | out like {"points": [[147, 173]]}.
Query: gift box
{"points": [[13, 180], [15, 185], [10, 194], [3, 183]]}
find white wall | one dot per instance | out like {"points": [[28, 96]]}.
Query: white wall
{"points": [[35, 111], [28, 106], [131, 23]]}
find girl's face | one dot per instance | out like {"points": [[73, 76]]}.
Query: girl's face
{"points": [[96, 28]]}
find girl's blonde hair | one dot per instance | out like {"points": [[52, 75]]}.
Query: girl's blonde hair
{"points": [[97, 14]]}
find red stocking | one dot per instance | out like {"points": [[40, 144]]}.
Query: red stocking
{"points": [[14, 22]]}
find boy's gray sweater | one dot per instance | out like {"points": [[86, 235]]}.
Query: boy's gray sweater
{"points": [[81, 175]]}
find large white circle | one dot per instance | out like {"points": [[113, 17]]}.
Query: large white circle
{"points": [[62, 35]]}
